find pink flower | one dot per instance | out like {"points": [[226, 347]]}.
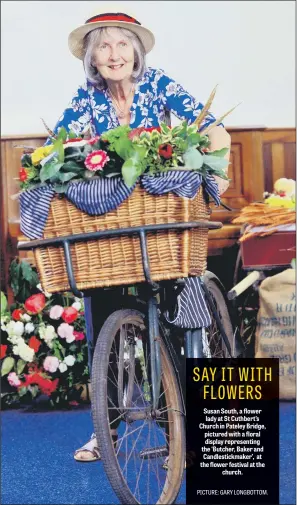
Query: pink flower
{"points": [[96, 160], [51, 364], [79, 335], [93, 140], [14, 380], [56, 312], [66, 331]]}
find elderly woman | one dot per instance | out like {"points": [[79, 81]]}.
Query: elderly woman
{"points": [[119, 90]]}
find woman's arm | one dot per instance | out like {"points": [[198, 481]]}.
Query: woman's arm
{"points": [[183, 105], [220, 138], [77, 116]]}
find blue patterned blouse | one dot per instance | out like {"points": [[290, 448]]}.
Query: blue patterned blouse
{"points": [[154, 93]]}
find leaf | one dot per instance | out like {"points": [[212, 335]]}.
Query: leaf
{"points": [[215, 162], [72, 135], [59, 149], [7, 365], [49, 170], [193, 139], [60, 188], [22, 391], [124, 147], [3, 303], [193, 158], [66, 176], [20, 366], [34, 390], [134, 166], [62, 135], [220, 152], [26, 160], [72, 166]]}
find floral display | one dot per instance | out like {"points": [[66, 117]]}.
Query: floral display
{"points": [[122, 151], [44, 348]]}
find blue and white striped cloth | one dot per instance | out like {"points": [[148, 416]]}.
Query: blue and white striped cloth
{"points": [[100, 196], [191, 311], [182, 183]]}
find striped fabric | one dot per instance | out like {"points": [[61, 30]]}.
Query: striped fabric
{"points": [[181, 183], [34, 209], [98, 196], [191, 311]]}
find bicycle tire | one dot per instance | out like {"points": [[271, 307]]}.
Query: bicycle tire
{"points": [[100, 411], [213, 343]]}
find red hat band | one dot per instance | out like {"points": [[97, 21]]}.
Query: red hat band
{"points": [[119, 16]]}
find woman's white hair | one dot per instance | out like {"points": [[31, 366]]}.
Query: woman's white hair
{"points": [[92, 41]]}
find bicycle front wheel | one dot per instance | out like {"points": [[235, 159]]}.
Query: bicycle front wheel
{"points": [[212, 340], [146, 465]]}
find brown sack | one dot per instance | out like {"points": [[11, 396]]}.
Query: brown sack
{"points": [[276, 328]]}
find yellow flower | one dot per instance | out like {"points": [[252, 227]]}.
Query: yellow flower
{"points": [[40, 153]]}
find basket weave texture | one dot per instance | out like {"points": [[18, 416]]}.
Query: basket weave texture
{"points": [[117, 260]]}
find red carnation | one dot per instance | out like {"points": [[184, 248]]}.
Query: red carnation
{"points": [[79, 335], [69, 315], [23, 175], [165, 150], [35, 303], [34, 343], [16, 314], [3, 349]]}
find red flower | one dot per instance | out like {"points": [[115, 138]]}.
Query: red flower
{"points": [[23, 175], [96, 160], [46, 386], [93, 140], [3, 349], [165, 150], [153, 128], [73, 140], [79, 335], [69, 315], [16, 315], [34, 343], [35, 303]]}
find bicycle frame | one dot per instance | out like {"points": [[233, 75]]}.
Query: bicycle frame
{"points": [[193, 338]]}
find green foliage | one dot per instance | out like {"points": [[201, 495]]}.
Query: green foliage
{"points": [[131, 153], [7, 365], [3, 303], [23, 279]]}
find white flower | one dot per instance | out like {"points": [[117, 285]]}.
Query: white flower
{"points": [[77, 306], [29, 327], [25, 317], [69, 360], [15, 328], [65, 330], [62, 367], [48, 334], [22, 350]]}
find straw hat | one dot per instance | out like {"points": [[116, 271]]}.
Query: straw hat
{"points": [[104, 19]]}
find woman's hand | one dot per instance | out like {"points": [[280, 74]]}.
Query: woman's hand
{"points": [[220, 138]]}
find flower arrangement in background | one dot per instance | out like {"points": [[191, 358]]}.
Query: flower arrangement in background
{"points": [[45, 349], [124, 152]]}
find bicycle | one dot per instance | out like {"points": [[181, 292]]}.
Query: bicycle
{"points": [[137, 377]]}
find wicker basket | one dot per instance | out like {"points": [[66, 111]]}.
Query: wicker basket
{"points": [[117, 260]]}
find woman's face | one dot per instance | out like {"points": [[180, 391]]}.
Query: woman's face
{"points": [[114, 57]]}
